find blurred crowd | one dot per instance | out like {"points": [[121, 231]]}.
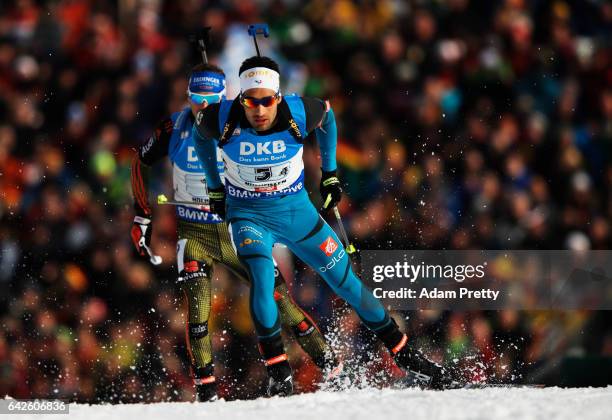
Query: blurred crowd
{"points": [[463, 124]]}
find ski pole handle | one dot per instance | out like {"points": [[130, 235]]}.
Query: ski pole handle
{"points": [[153, 259], [258, 29]]}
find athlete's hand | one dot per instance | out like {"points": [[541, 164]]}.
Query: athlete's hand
{"points": [[216, 200], [330, 188], [141, 237]]}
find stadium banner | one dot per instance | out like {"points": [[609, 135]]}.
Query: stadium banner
{"points": [[491, 279]]}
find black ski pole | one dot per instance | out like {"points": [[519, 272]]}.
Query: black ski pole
{"points": [[202, 41]]}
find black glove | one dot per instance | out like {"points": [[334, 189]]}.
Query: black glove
{"points": [[216, 200], [330, 188], [141, 237]]}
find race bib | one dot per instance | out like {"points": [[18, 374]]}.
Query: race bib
{"points": [[264, 178], [255, 175]]}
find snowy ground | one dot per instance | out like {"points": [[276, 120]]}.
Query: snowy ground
{"points": [[492, 403]]}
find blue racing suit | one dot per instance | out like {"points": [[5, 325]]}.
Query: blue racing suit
{"points": [[267, 203]]}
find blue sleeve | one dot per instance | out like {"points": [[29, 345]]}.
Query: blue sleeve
{"points": [[327, 136], [206, 148]]}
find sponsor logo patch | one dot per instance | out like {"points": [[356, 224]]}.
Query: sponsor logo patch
{"points": [[332, 263], [329, 246], [250, 229], [265, 148], [304, 329], [191, 266], [198, 330], [257, 73], [242, 193], [145, 149], [249, 241], [195, 215]]}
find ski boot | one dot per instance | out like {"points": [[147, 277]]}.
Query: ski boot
{"points": [[205, 384], [280, 381], [206, 393], [424, 372]]}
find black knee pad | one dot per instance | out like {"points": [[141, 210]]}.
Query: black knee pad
{"points": [[197, 330]]}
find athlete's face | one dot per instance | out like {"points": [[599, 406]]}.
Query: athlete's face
{"points": [[259, 116]]}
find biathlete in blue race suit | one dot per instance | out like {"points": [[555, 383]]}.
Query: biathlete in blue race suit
{"points": [[261, 135], [203, 239]]}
